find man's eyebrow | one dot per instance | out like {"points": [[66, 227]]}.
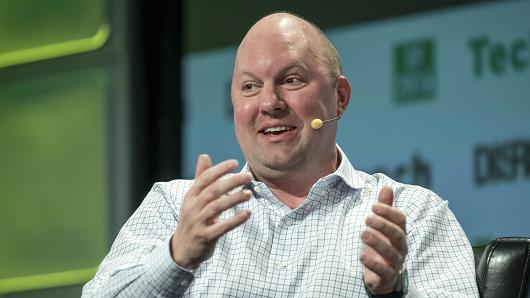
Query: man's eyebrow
{"points": [[283, 71], [246, 73], [293, 66]]}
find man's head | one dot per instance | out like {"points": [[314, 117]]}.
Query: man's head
{"points": [[287, 73]]}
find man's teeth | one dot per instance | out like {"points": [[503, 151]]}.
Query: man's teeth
{"points": [[278, 128]]}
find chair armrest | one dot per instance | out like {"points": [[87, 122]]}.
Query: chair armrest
{"points": [[504, 267]]}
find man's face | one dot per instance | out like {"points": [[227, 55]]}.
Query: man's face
{"points": [[278, 87]]}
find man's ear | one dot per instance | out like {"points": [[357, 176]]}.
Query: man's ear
{"points": [[343, 94]]}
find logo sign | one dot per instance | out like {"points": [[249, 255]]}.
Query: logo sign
{"points": [[414, 71]]}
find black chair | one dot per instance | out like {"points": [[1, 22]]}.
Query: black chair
{"points": [[503, 267]]}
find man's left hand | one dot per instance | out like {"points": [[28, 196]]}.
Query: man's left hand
{"points": [[385, 245]]}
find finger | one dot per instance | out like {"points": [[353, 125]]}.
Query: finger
{"points": [[222, 227], [371, 280], [391, 214], [382, 247], [386, 196], [214, 208], [212, 174], [381, 269], [393, 232], [223, 186], [203, 162], [370, 252]]}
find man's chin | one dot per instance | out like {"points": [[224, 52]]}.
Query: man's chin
{"points": [[277, 159], [282, 164]]}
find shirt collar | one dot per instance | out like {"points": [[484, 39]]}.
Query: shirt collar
{"points": [[345, 171]]}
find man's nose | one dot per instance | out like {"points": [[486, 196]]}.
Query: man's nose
{"points": [[271, 102]]}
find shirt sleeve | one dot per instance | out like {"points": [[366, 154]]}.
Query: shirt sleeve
{"points": [[440, 260], [139, 263]]}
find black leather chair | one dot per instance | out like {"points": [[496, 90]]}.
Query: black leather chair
{"points": [[503, 267]]}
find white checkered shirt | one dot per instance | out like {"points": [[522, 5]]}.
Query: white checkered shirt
{"points": [[310, 251]]}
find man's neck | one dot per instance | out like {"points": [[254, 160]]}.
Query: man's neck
{"points": [[292, 187]]}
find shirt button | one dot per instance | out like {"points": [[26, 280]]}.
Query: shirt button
{"points": [[184, 283], [280, 265]]}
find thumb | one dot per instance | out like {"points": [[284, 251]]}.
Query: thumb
{"points": [[386, 195], [203, 163]]}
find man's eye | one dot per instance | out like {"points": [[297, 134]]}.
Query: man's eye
{"points": [[293, 81], [248, 87]]}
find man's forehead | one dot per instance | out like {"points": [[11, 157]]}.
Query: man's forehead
{"points": [[277, 27], [276, 56], [276, 36], [279, 22], [273, 36]]}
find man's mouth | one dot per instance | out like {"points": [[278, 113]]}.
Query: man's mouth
{"points": [[276, 130]]}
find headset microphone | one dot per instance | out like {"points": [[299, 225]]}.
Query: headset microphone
{"points": [[317, 123]]}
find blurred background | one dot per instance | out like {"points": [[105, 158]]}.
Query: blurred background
{"points": [[99, 99]]}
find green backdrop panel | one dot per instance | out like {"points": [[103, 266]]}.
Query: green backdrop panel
{"points": [[53, 210]]}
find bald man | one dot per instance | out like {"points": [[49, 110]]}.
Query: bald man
{"points": [[298, 219]]}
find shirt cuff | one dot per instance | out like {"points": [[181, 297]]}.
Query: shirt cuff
{"points": [[168, 279]]}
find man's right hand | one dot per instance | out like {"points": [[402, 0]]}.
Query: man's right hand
{"points": [[199, 228]]}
